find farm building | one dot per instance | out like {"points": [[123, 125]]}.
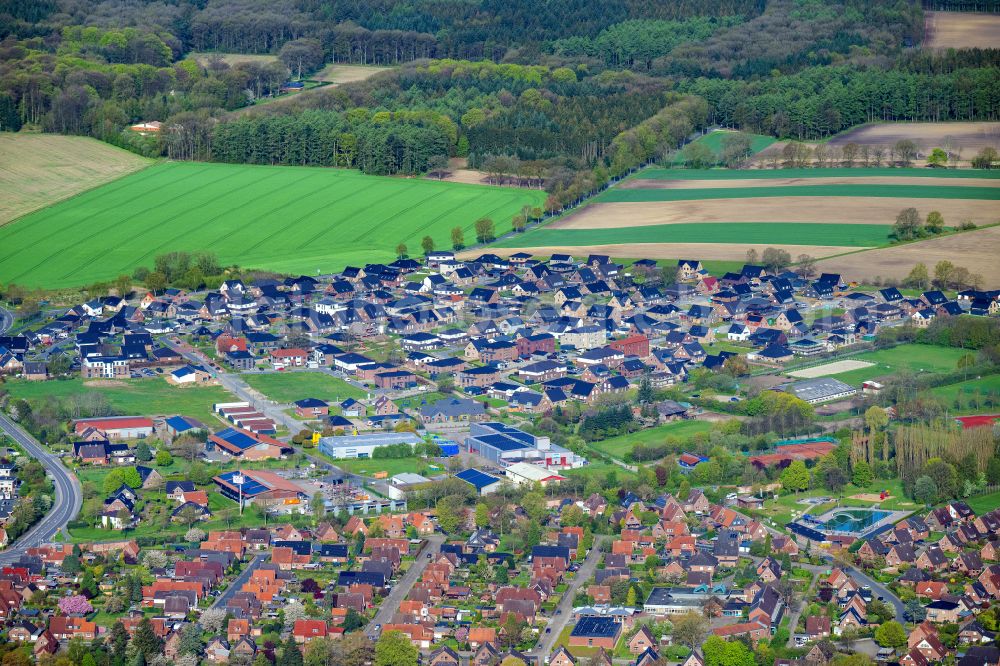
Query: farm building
{"points": [[820, 389], [117, 427], [363, 446]]}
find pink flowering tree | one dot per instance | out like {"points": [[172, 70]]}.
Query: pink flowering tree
{"points": [[75, 605]]}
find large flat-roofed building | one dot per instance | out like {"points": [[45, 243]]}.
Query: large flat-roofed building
{"points": [[261, 487], [363, 446], [504, 445], [820, 389]]}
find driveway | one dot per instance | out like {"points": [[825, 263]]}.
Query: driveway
{"points": [[390, 604], [68, 494]]}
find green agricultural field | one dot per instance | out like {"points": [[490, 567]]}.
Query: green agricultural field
{"points": [[291, 386], [713, 141], [133, 397], [619, 447], [290, 219], [766, 174], [787, 233], [616, 195], [912, 357]]}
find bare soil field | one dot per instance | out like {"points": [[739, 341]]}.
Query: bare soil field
{"points": [[467, 176], [716, 251], [347, 73], [233, 58], [829, 369], [976, 250], [842, 210], [37, 170], [944, 30], [778, 181], [963, 139], [970, 138]]}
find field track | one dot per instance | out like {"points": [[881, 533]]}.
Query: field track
{"points": [[946, 30], [294, 219], [806, 190], [37, 170]]}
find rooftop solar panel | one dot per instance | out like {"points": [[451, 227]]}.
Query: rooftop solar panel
{"points": [[478, 479]]}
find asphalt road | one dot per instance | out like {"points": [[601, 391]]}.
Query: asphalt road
{"points": [[557, 621], [68, 496], [879, 589], [240, 581], [6, 320], [390, 604]]}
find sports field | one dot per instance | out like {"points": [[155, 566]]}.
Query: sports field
{"points": [[910, 357], [37, 170], [720, 213], [827, 369], [292, 219]]}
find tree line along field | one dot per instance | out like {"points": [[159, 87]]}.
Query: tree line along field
{"points": [[40, 169], [288, 219]]}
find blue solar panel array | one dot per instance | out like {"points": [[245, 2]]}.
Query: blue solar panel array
{"points": [[236, 438], [250, 486], [596, 627], [502, 442], [478, 479]]}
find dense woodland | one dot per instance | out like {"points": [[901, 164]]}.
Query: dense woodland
{"points": [[565, 94]]}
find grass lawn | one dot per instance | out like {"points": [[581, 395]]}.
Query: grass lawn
{"points": [[599, 469], [418, 401], [963, 392], [289, 219], [765, 174], [369, 466], [912, 357], [132, 397], [839, 190], [984, 503], [788, 233], [291, 386], [620, 446]]}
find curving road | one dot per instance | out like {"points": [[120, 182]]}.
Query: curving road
{"points": [[68, 499], [6, 320]]}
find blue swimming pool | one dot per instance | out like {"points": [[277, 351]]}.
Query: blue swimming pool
{"points": [[854, 520]]}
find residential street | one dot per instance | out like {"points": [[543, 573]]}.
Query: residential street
{"points": [[558, 620], [240, 581], [402, 588], [68, 494]]}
